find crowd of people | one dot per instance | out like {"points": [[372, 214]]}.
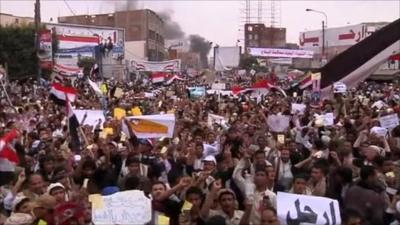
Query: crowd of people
{"points": [[236, 182]]}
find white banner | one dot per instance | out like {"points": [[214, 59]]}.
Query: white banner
{"points": [[93, 117], [128, 207], [278, 123], [153, 126], [164, 66], [302, 209], [389, 121], [280, 53]]}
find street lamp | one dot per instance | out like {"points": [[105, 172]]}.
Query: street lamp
{"points": [[324, 25]]}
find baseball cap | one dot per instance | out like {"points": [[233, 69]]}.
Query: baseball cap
{"points": [[210, 158], [53, 186]]}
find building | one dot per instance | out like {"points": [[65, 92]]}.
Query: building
{"points": [[144, 31], [11, 20], [257, 35]]}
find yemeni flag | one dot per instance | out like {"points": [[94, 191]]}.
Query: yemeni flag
{"points": [[261, 86], [306, 81], [358, 62], [59, 94], [73, 127], [158, 77], [8, 155], [173, 78]]}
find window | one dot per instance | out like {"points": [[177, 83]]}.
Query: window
{"points": [[256, 37], [16, 20], [250, 28], [250, 37]]}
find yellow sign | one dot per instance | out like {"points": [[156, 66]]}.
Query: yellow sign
{"points": [[118, 93], [97, 201], [119, 113], [136, 111], [147, 126], [187, 206], [316, 76], [163, 220]]}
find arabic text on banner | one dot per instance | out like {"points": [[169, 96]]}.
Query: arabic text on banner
{"points": [[389, 121], [302, 209]]}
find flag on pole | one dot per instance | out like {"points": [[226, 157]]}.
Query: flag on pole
{"points": [[73, 126], [59, 93], [8, 156]]}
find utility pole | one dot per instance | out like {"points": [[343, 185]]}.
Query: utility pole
{"points": [[37, 41]]}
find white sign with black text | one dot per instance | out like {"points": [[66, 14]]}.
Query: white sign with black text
{"points": [[302, 209]]}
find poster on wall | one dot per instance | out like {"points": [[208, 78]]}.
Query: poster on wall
{"points": [[45, 53]]}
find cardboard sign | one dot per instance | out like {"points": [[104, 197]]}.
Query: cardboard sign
{"points": [[119, 113], [128, 207], [152, 126], [298, 108], [218, 86], [389, 121], [278, 123], [304, 209], [118, 93], [339, 87]]}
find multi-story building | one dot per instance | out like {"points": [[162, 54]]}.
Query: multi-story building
{"points": [[11, 20], [257, 35], [144, 31]]}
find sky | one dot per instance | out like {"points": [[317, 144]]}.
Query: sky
{"points": [[219, 21]]}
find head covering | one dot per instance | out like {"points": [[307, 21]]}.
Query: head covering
{"points": [[110, 190], [210, 158], [226, 190], [54, 185], [19, 219], [18, 200], [377, 149]]}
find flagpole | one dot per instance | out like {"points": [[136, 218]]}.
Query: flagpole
{"points": [[5, 92]]}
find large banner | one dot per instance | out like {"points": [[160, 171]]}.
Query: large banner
{"points": [[164, 66], [152, 126], [76, 41], [280, 53], [45, 53], [302, 209]]}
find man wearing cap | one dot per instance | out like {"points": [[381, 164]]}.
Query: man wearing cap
{"points": [[227, 201], [57, 190]]}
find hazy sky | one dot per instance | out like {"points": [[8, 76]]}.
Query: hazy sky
{"points": [[219, 21]]}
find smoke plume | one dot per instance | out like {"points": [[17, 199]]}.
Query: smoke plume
{"points": [[126, 5], [200, 45], [172, 29]]}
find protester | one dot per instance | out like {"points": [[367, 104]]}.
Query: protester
{"points": [[228, 159]]}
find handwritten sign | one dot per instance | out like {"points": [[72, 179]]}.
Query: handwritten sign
{"points": [[390, 121], [278, 123], [212, 118], [302, 209], [128, 207], [379, 131], [298, 108], [339, 87]]}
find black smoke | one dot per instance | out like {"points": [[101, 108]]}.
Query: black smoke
{"points": [[172, 29], [200, 45]]}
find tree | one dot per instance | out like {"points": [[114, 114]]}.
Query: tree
{"points": [[87, 64], [17, 49], [248, 62]]}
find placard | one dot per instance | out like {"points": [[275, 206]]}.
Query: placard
{"points": [[128, 207], [303, 209], [218, 86], [278, 123], [379, 131], [298, 108], [339, 87], [389, 121]]}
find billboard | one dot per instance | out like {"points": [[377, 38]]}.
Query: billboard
{"points": [[280, 53], [226, 58], [76, 41], [337, 37], [45, 53]]}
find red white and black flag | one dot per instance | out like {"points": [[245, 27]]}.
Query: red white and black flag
{"points": [[362, 59], [60, 93]]}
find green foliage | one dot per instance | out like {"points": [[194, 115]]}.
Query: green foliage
{"points": [[87, 64], [17, 48], [248, 62]]}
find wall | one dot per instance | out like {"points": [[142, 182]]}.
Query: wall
{"points": [[8, 19], [135, 50]]}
